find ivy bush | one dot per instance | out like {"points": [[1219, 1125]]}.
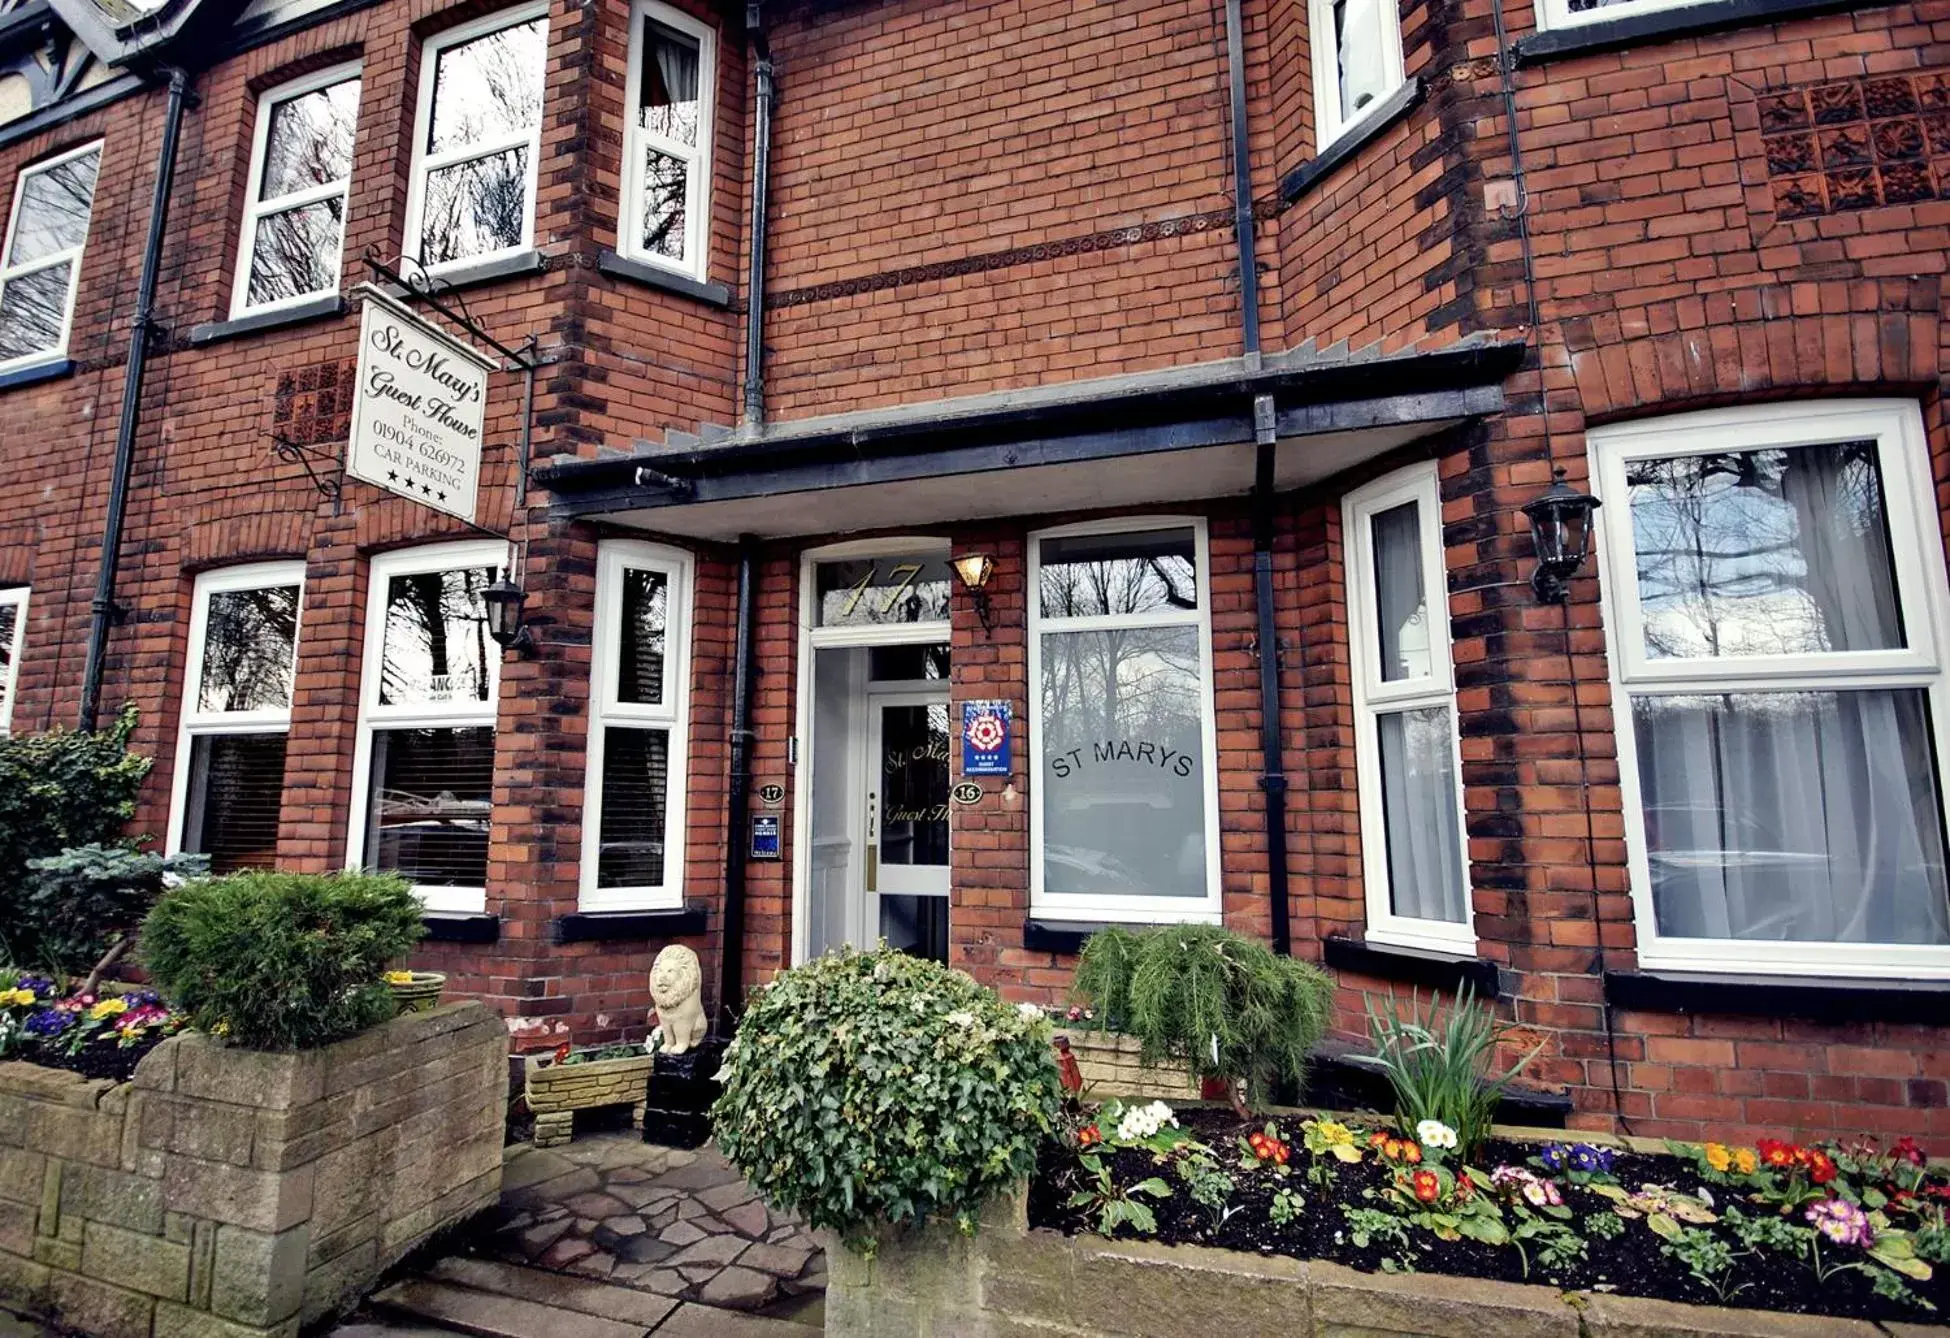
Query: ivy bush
{"points": [[281, 961], [876, 1088], [1226, 1006]]}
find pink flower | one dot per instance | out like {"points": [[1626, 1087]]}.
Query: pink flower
{"points": [[1842, 1222]]}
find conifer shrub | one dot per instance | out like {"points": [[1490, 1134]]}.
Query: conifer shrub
{"points": [[1226, 1006], [281, 961]]}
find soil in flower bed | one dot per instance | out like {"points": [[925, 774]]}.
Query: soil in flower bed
{"points": [[96, 1060], [1631, 1263]]}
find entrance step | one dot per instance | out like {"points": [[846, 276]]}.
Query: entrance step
{"points": [[490, 1315], [489, 1299]]}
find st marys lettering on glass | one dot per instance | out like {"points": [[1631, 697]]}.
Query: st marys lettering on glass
{"points": [[419, 410]]}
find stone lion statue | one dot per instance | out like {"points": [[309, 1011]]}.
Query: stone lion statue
{"points": [[675, 982]]}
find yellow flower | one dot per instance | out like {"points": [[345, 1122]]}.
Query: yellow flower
{"points": [[1334, 1134], [222, 1028], [1718, 1157], [108, 1008], [1745, 1161], [399, 977], [17, 998]]}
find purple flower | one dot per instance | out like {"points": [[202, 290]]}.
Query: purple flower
{"points": [[40, 986], [1585, 1157], [1842, 1222], [1554, 1155], [48, 1022]]}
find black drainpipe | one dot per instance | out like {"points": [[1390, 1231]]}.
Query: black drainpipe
{"points": [[103, 606], [761, 189], [1272, 776], [731, 997]]}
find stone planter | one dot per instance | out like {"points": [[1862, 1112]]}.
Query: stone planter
{"points": [[1008, 1280], [1109, 1063], [555, 1092], [421, 994], [229, 1193]]}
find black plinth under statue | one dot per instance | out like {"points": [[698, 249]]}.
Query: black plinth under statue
{"points": [[677, 1113]]}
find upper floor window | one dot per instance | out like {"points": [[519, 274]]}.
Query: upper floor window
{"points": [[478, 139], [1568, 13], [1125, 811], [1357, 52], [1776, 592], [42, 260], [294, 221], [243, 654], [1406, 763], [13, 631], [667, 162]]}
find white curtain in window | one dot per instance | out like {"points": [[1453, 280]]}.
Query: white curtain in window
{"points": [[1364, 68], [1418, 791], [677, 65]]}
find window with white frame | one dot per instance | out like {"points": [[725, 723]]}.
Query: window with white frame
{"points": [[478, 139], [633, 802], [229, 778], [301, 164], [1406, 761], [423, 773], [1570, 13], [41, 265], [667, 162], [1775, 585], [13, 632], [1357, 55], [1125, 803]]}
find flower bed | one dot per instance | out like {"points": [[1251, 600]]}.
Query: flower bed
{"points": [[1829, 1231], [101, 1035]]}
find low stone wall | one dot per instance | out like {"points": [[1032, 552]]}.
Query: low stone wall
{"points": [[555, 1092], [1110, 1066], [1008, 1281], [228, 1193]]}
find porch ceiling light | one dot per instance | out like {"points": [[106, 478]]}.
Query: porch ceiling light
{"points": [[975, 570], [503, 601], [1560, 524]]}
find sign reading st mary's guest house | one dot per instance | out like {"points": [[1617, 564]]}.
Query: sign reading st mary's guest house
{"points": [[419, 409]]}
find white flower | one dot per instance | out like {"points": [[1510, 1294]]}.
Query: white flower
{"points": [[1030, 1012], [960, 1018], [1142, 1122], [1435, 1134]]}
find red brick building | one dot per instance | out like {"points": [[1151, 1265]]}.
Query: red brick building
{"points": [[1219, 343]]}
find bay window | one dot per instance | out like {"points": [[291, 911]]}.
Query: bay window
{"points": [[478, 139], [294, 218], [1357, 60], [667, 157], [1413, 865], [1125, 801], [40, 268], [633, 801], [423, 773], [236, 715], [1775, 584], [13, 632]]}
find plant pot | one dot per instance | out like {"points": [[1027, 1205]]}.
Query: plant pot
{"points": [[1110, 1066], [421, 994], [554, 1092]]}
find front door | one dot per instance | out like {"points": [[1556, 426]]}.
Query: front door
{"points": [[905, 809]]}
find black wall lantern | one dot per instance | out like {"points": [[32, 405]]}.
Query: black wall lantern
{"points": [[503, 601], [1560, 523], [975, 570]]}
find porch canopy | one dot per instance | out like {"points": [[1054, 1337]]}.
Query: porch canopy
{"points": [[1182, 434]]}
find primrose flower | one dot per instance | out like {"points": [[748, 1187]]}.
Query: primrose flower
{"points": [[1718, 1157], [1777, 1154], [1745, 1162], [1142, 1122], [108, 1008], [1842, 1222], [1586, 1157], [49, 1022], [1435, 1134], [1907, 1150], [1331, 1134], [1030, 1012], [1427, 1186], [17, 998]]}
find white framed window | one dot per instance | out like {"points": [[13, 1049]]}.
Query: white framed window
{"points": [[1357, 55], [41, 265], [1774, 581], [633, 800], [1125, 803], [1571, 13], [236, 716], [423, 768], [293, 234], [477, 139], [667, 160], [1414, 864], [13, 634]]}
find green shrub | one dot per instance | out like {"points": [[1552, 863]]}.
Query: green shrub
{"points": [[79, 902], [281, 961], [871, 1088], [1438, 1063], [1225, 1005]]}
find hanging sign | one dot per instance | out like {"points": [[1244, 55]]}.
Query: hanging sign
{"points": [[985, 727], [418, 410]]}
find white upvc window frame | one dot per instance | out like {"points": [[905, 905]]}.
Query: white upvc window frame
{"points": [[1089, 907], [1329, 125], [1555, 14], [698, 158], [614, 558], [15, 598], [194, 722], [1923, 594], [426, 163], [1375, 697], [9, 272], [425, 715], [257, 207]]}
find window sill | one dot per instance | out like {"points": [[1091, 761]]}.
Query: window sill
{"points": [[1063, 937], [1808, 999], [655, 276], [619, 926], [1586, 38], [473, 276], [37, 373], [451, 928], [1312, 172], [318, 308], [1413, 966]]}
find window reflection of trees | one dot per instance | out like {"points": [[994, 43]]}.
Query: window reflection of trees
{"points": [[295, 250], [37, 273], [248, 642], [436, 642], [1120, 681], [475, 208], [487, 92]]}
